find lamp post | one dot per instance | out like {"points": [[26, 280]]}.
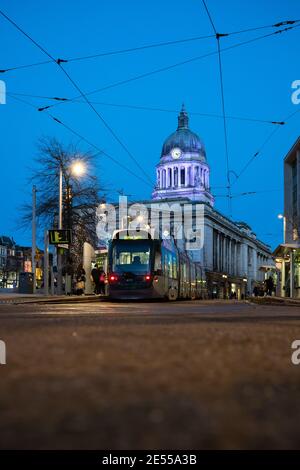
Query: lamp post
{"points": [[77, 169], [283, 280], [283, 217], [33, 247], [60, 212]]}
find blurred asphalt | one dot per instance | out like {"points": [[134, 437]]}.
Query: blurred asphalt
{"points": [[189, 375]]}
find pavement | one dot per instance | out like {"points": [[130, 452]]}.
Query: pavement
{"points": [[40, 298], [159, 375], [275, 300]]}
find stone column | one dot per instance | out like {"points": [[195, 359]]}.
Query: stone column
{"points": [[254, 265], [230, 256], [192, 182], [224, 253], [243, 260], [235, 269], [283, 277], [218, 251], [292, 273]]}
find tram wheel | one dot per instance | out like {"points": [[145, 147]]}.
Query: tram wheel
{"points": [[172, 294]]}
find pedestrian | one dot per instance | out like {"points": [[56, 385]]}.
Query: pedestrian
{"points": [[102, 279], [95, 273], [255, 291], [80, 280], [270, 286]]}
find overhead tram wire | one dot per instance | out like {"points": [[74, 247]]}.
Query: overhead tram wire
{"points": [[84, 139], [57, 62], [169, 67], [218, 36], [148, 46], [248, 193], [258, 152], [148, 108]]}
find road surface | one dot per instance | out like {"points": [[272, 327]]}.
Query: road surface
{"points": [[191, 375]]}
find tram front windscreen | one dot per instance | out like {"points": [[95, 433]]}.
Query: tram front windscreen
{"points": [[131, 256]]}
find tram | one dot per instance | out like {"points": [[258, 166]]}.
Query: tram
{"points": [[143, 267]]}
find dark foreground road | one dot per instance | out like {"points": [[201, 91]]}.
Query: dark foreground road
{"points": [[159, 375]]}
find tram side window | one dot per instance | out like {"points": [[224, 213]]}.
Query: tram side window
{"points": [[170, 264], [175, 266], [157, 261], [184, 271]]}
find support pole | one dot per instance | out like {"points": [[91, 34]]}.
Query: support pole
{"points": [[60, 211], [292, 273], [33, 247], [46, 263]]}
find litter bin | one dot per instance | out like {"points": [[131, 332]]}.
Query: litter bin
{"points": [[26, 283]]}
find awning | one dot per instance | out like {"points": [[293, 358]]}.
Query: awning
{"points": [[294, 246], [282, 250], [267, 267]]}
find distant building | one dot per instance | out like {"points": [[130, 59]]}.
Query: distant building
{"points": [[8, 267], [288, 253], [292, 193], [234, 260], [16, 259]]}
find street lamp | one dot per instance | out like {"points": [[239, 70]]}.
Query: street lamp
{"points": [[77, 168], [283, 218]]}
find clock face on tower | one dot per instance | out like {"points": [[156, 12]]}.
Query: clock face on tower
{"points": [[176, 153]]}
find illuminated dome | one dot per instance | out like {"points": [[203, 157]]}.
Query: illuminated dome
{"points": [[182, 171], [183, 138]]}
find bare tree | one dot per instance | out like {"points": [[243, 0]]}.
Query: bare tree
{"points": [[81, 195]]}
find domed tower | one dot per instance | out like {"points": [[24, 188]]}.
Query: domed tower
{"points": [[183, 171]]}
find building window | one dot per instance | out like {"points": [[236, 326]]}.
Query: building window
{"points": [[176, 177], [182, 176], [169, 177]]}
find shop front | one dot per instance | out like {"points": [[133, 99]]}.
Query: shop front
{"points": [[223, 286], [288, 261]]}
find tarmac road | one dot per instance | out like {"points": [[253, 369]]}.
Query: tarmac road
{"points": [[182, 375]]}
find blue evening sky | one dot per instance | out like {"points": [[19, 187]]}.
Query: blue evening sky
{"points": [[257, 83]]}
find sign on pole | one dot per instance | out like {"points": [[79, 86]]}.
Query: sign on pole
{"points": [[60, 237]]}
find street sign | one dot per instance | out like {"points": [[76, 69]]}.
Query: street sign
{"points": [[60, 237]]}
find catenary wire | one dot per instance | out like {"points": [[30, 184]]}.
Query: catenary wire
{"points": [[148, 46], [170, 67], [100, 151], [116, 137], [148, 108]]}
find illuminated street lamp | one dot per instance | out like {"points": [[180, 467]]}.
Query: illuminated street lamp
{"points": [[78, 168], [283, 218]]}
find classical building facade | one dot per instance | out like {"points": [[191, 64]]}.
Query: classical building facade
{"points": [[233, 259]]}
